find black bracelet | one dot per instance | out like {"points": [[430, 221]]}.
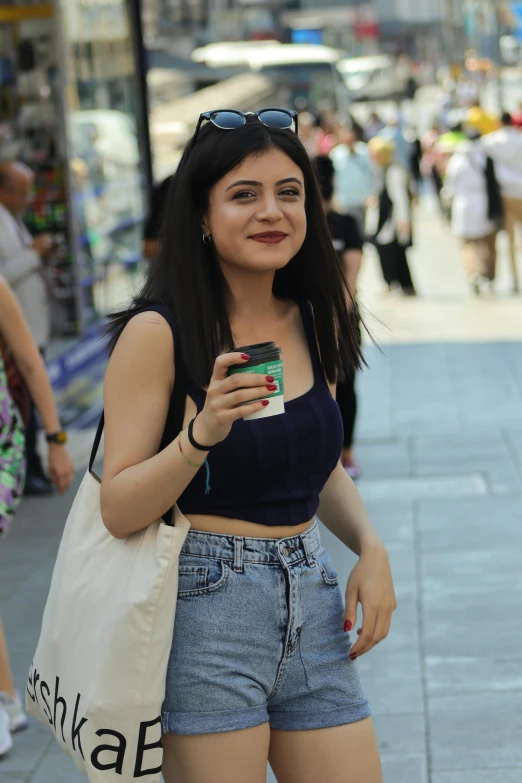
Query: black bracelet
{"points": [[193, 442]]}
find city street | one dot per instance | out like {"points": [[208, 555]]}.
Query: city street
{"points": [[440, 446]]}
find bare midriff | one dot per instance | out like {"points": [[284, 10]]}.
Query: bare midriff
{"points": [[238, 527]]}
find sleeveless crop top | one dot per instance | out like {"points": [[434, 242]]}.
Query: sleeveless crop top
{"points": [[271, 471]]}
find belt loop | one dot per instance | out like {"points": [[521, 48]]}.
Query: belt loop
{"points": [[238, 554], [308, 552]]}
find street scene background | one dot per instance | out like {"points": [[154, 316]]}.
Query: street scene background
{"points": [[439, 428]]}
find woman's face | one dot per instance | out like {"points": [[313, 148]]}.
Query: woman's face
{"points": [[256, 214]]}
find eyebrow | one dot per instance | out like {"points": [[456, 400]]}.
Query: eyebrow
{"points": [[254, 183]]}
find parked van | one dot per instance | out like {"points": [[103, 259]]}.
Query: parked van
{"points": [[377, 78]]}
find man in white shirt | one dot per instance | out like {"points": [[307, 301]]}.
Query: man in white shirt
{"points": [[21, 261], [504, 147], [355, 178]]}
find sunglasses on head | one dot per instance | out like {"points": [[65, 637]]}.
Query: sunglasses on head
{"points": [[230, 119]]}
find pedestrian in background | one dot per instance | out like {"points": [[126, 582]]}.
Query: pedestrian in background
{"points": [[504, 147], [309, 133], [327, 133], [465, 190], [348, 245], [415, 159], [373, 126], [389, 218], [480, 120], [151, 229], [393, 131], [430, 158], [355, 176], [22, 261], [246, 257], [16, 338], [516, 117]]}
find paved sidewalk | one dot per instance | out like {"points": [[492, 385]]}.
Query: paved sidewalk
{"points": [[440, 444]]}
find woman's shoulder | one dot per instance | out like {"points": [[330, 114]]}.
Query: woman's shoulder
{"points": [[145, 317], [148, 316], [144, 350], [146, 332]]}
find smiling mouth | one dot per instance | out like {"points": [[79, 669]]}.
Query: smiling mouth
{"points": [[269, 237]]}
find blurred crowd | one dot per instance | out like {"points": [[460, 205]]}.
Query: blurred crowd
{"points": [[376, 179], [468, 158]]}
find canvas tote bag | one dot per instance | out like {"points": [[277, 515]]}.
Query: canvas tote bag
{"points": [[99, 671]]}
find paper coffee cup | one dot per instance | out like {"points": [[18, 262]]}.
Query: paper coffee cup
{"points": [[265, 359]]}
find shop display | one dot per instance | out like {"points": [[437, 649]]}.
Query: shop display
{"points": [[48, 214], [109, 181], [69, 109]]}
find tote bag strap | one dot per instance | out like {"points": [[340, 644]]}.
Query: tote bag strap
{"points": [[176, 413]]}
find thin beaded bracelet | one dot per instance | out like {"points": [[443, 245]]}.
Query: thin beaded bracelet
{"points": [[189, 462]]}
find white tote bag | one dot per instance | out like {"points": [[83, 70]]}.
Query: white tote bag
{"points": [[99, 671]]}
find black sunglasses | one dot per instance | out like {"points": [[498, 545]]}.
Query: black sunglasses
{"points": [[230, 119]]}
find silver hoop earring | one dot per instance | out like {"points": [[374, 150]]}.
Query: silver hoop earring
{"points": [[207, 239]]}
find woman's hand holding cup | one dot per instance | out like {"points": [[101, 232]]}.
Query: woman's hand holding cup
{"points": [[228, 398]]}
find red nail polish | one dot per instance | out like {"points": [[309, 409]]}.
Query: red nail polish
{"points": [[353, 657], [347, 626], [272, 387], [245, 357], [269, 379], [264, 402]]}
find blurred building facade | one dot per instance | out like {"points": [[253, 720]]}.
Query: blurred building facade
{"points": [[348, 24], [493, 29], [424, 29]]}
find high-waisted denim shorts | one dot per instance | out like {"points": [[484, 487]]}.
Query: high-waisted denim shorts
{"points": [[259, 637]]}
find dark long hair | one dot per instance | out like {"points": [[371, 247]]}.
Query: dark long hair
{"points": [[186, 277]]}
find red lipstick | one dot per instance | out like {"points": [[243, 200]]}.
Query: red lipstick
{"points": [[269, 237]]}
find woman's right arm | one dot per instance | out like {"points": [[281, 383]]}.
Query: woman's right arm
{"points": [[139, 484]]}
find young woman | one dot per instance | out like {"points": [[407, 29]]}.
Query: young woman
{"points": [[15, 338], [261, 666], [388, 218]]}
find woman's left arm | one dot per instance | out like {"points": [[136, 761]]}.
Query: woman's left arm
{"points": [[371, 584]]}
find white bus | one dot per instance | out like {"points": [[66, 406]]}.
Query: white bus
{"points": [[306, 75]]}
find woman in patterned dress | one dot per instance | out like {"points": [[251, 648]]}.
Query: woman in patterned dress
{"points": [[16, 339], [12, 462]]}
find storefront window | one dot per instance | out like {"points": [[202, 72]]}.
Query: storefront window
{"points": [[31, 131], [107, 176]]}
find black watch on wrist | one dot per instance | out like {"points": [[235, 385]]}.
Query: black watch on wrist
{"points": [[57, 437]]}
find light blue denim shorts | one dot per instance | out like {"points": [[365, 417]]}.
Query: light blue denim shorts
{"points": [[259, 637]]}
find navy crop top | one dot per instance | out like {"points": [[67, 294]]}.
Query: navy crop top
{"points": [[271, 471]]}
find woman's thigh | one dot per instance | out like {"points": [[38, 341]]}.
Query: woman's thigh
{"points": [[343, 754], [227, 757]]}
